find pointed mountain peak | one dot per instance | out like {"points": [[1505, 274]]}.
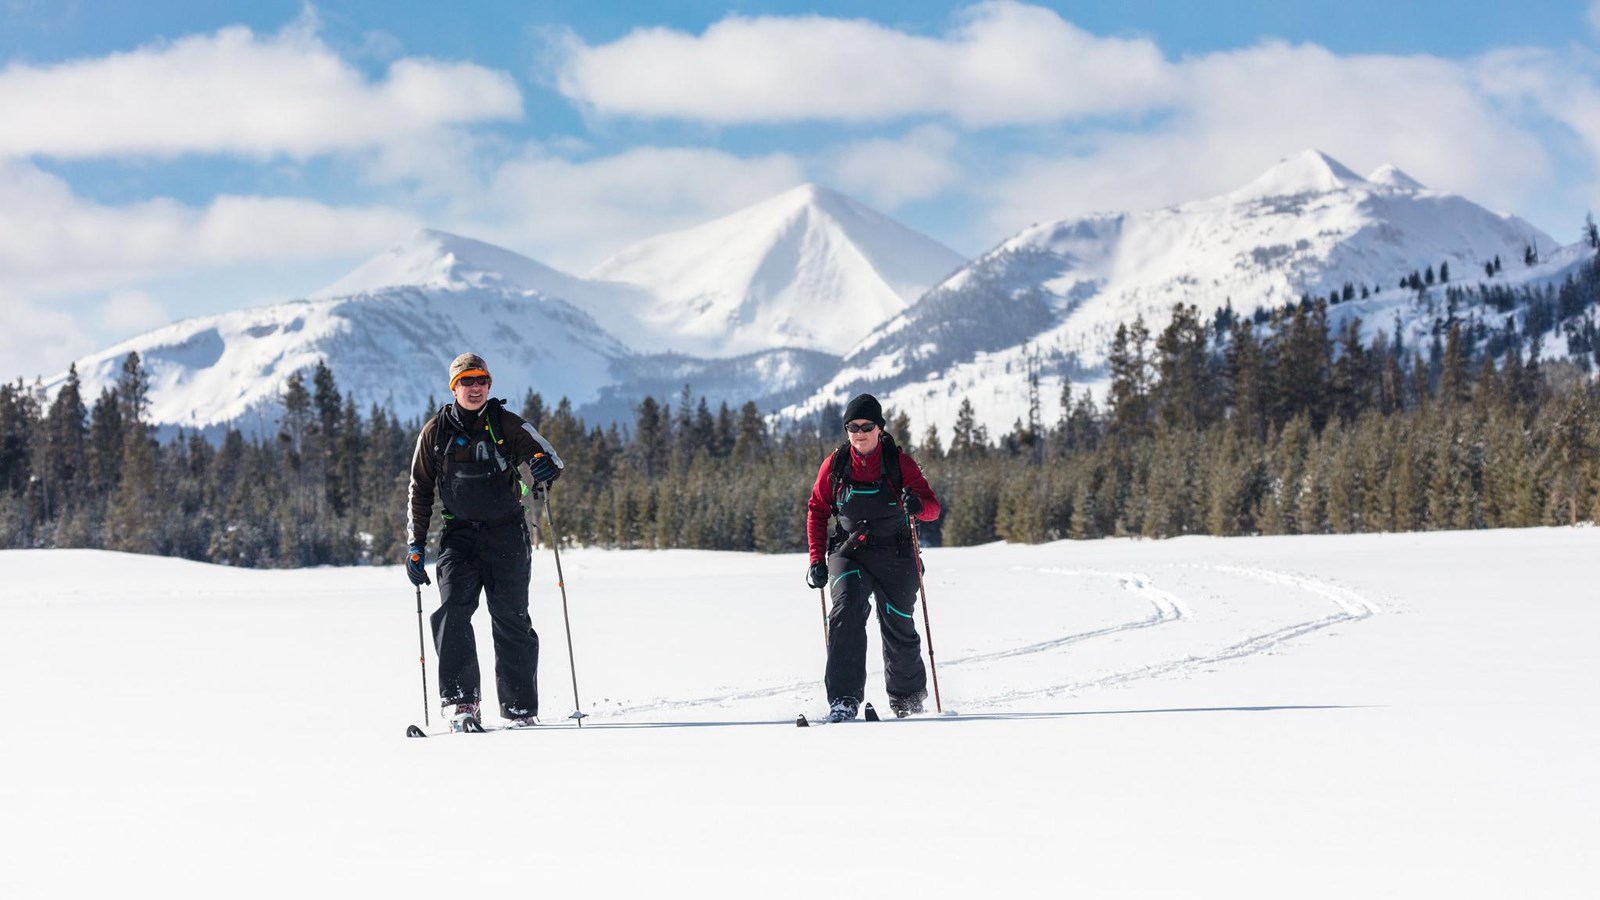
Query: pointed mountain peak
{"points": [[810, 192], [809, 196], [1307, 172], [1389, 175], [808, 267], [439, 259]]}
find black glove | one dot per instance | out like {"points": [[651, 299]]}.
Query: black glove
{"points": [[415, 557], [910, 502], [817, 575], [543, 469]]}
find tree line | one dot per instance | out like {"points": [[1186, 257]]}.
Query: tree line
{"points": [[1274, 423]]}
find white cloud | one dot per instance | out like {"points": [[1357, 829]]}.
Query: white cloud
{"points": [[1242, 110], [1003, 62], [1120, 126], [1594, 14], [131, 312], [573, 213], [889, 172], [236, 92], [36, 340], [54, 242]]}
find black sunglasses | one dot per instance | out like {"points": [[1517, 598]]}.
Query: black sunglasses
{"points": [[865, 428], [474, 381]]}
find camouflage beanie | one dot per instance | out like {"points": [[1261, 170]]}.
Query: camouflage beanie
{"points": [[467, 364]]}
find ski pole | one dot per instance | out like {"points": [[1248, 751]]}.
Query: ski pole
{"points": [[822, 598], [923, 590], [422, 657], [561, 582]]}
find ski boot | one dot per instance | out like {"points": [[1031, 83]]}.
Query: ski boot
{"points": [[842, 710], [909, 705], [466, 718]]}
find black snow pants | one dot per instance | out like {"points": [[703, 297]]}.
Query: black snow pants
{"points": [[492, 559], [889, 574]]}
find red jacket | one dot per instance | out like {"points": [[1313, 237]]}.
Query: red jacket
{"points": [[862, 468]]}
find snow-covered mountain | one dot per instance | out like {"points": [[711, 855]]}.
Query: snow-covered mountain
{"points": [[755, 305], [388, 331], [1051, 297], [809, 268], [764, 300]]}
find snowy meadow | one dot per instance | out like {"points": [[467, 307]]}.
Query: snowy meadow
{"points": [[1410, 715]]}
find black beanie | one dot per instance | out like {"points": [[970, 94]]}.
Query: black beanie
{"points": [[864, 406]]}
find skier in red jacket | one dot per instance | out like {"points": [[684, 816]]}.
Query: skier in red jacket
{"points": [[873, 489]]}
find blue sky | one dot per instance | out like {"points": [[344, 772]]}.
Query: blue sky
{"points": [[163, 160]]}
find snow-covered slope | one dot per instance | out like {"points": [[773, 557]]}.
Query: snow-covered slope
{"points": [[440, 261], [809, 268], [751, 306], [1055, 293], [763, 298], [1307, 717], [387, 341]]}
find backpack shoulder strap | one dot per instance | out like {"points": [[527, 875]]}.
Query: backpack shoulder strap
{"points": [[838, 470], [494, 418], [891, 464], [441, 438]]}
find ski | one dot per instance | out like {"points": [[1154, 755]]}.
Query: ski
{"points": [[474, 726], [868, 714]]}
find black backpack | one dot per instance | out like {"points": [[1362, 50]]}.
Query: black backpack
{"points": [[493, 418]]}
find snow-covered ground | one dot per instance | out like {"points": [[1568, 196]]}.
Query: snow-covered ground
{"points": [[1370, 716]]}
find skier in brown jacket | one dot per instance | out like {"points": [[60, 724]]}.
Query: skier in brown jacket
{"points": [[480, 459]]}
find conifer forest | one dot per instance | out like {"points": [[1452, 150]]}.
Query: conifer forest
{"points": [[1271, 423]]}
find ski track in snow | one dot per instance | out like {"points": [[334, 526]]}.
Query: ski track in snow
{"points": [[1168, 608], [1353, 607]]}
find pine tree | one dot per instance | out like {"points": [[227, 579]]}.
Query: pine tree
{"points": [[1304, 367], [66, 443], [106, 435], [1454, 380], [650, 438], [1245, 393], [1184, 393], [134, 513], [900, 428], [533, 410], [726, 433], [962, 443], [329, 416], [751, 443], [1571, 448], [686, 439], [1129, 393], [1084, 525]]}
